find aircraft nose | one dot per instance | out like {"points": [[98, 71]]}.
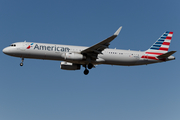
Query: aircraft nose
{"points": [[5, 50]]}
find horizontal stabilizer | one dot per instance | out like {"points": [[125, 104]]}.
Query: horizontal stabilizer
{"points": [[166, 55]]}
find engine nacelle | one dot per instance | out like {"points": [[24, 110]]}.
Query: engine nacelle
{"points": [[74, 56], [70, 66]]}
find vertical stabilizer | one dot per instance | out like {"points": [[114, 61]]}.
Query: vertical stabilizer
{"points": [[162, 44], [160, 47]]}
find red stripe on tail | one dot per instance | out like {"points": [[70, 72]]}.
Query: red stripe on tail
{"points": [[154, 53], [149, 57], [165, 49], [169, 38], [166, 43]]}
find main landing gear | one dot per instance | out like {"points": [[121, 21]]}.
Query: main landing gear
{"points": [[90, 66], [86, 71], [22, 60]]}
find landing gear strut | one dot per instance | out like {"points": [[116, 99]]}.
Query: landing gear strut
{"points": [[22, 60], [90, 66]]}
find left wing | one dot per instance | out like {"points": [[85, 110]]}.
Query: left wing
{"points": [[96, 49]]}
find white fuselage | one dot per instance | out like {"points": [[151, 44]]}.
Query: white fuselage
{"points": [[64, 53], [73, 57]]}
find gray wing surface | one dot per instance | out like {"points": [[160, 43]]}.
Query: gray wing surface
{"points": [[96, 49]]}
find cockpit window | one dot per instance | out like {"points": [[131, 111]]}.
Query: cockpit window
{"points": [[13, 45]]}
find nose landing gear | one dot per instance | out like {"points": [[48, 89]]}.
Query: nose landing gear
{"points": [[22, 60]]}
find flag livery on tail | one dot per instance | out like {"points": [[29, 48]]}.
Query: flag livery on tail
{"points": [[160, 47]]}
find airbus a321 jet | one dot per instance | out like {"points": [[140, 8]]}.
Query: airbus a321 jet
{"points": [[73, 57]]}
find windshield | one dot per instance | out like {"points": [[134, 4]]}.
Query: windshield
{"points": [[13, 45]]}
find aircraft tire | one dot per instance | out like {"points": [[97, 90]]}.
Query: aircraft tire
{"points": [[90, 66], [86, 71], [21, 64]]}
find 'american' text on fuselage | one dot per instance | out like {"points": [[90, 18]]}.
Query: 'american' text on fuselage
{"points": [[51, 48]]}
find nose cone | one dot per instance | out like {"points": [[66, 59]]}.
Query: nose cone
{"points": [[5, 50], [9, 51]]}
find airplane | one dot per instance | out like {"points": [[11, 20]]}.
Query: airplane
{"points": [[73, 57]]}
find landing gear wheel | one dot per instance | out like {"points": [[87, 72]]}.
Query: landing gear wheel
{"points": [[86, 71], [21, 64], [22, 60], [90, 66]]}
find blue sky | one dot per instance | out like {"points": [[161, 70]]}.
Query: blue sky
{"points": [[41, 90]]}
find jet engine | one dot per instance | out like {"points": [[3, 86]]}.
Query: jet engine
{"points": [[74, 56], [70, 66]]}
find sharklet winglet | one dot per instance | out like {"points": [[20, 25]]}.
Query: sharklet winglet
{"points": [[118, 31]]}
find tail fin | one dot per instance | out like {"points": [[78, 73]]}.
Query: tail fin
{"points": [[161, 46]]}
